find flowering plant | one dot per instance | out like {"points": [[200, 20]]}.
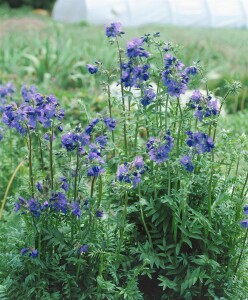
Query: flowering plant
{"points": [[145, 192]]}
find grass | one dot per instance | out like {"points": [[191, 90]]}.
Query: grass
{"points": [[54, 54]]}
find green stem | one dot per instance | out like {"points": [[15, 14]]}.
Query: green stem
{"points": [[76, 176], [155, 183], [123, 100], [236, 173], [99, 191], [179, 126], [41, 155], [241, 253], [169, 178], [242, 192], [39, 250], [221, 105], [92, 187], [51, 156], [166, 112], [143, 219], [178, 137], [210, 187], [124, 215], [136, 135], [31, 178], [110, 106]]}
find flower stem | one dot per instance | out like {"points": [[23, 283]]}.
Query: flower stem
{"points": [[241, 253], [51, 156], [143, 219], [210, 187], [123, 100], [31, 177], [166, 112], [122, 228], [99, 191], [76, 176], [110, 105], [41, 155]]}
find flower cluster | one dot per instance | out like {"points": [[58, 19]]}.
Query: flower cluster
{"points": [[134, 75], [83, 249], [148, 97], [200, 142], [80, 140], [131, 172], [1, 133], [159, 150], [5, 91], [36, 109], [175, 77], [186, 161], [31, 251], [135, 49], [92, 69], [204, 106], [57, 203], [113, 30], [244, 223]]}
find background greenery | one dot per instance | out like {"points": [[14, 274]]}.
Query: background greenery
{"points": [[36, 50]]}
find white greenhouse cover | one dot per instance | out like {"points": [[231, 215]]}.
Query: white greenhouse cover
{"points": [[203, 13]]}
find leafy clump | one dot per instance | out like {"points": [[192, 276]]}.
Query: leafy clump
{"points": [[149, 193]]}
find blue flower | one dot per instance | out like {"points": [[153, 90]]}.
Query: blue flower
{"points": [[102, 140], [246, 210], [34, 207], [90, 127], [7, 90], [60, 202], [83, 249], [84, 139], [192, 70], [34, 253], [60, 128], [92, 69], [134, 48], [174, 77], [76, 211], [69, 141], [205, 106], [187, 163], [24, 251], [159, 150], [113, 30], [17, 206], [200, 142], [244, 223], [110, 123], [123, 173], [174, 88], [65, 184], [148, 97], [28, 94], [39, 187], [131, 172], [133, 75], [95, 171], [99, 214]]}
